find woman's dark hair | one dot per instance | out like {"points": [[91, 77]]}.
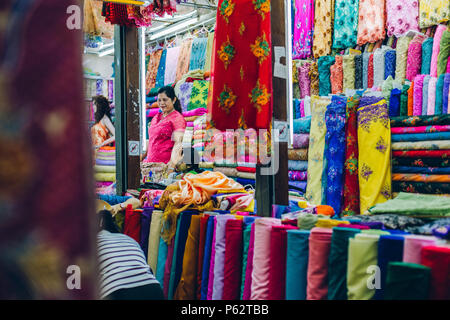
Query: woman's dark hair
{"points": [[102, 108], [170, 92], [106, 222]]}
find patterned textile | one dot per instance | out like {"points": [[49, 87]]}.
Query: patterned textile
{"points": [[422, 145], [117, 14], [427, 50], [183, 59], [401, 16], [433, 12], [335, 152], [444, 53], [303, 11], [358, 71], [370, 72], [348, 66], [390, 59], [185, 95], [345, 23], [414, 62], [159, 82], [371, 21], [142, 16], [374, 143], [324, 64], [436, 48], [420, 121], [316, 149], [242, 63], [152, 70], [322, 28], [421, 162], [209, 49], [298, 154], [303, 79], [421, 177], [94, 23], [198, 54], [336, 76], [420, 136], [199, 94], [422, 153], [393, 221], [425, 170], [431, 96], [421, 187], [298, 175], [170, 73], [314, 77], [404, 100], [401, 58], [99, 134], [301, 140], [439, 94]]}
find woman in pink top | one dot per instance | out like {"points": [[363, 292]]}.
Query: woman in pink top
{"points": [[166, 130]]}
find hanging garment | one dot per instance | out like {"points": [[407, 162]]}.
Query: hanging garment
{"points": [[183, 59], [152, 70], [198, 54], [348, 66], [209, 49], [170, 72], [374, 141], [371, 21], [345, 23], [322, 28], [242, 67], [433, 12], [161, 70], [335, 151], [303, 28], [316, 149], [401, 16]]}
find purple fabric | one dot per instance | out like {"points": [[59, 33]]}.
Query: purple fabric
{"points": [[372, 224], [304, 82], [211, 264], [99, 85], [105, 162], [146, 219], [219, 258], [300, 141], [249, 269], [445, 108], [168, 267], [302, 108], [418, 92]]}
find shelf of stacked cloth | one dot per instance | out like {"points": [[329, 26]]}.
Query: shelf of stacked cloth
{"points": [[105, 167], [420, 154], [298, 155]]}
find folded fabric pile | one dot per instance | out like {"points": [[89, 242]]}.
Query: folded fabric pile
{"points": [[421, 150], [105, 167], [298, 155]]}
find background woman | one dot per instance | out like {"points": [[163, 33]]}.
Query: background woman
{"points": [[102, 132]]}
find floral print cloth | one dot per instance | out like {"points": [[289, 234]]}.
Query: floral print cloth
{"points": [[303, 11], [345, 23], [324, 64], [152, 70], [433, 12], [198, 54], [185, 95], [374, 145], [401, 16], [414, 60], [401, 58], [421, 187], [336, 75], [183, 59], [199, 95], [322, 28], [422, 145], [298, 175], [371, 23], [421, 162]]}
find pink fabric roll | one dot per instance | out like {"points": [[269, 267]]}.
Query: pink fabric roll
{"points": [[436, 46], [319, 250], [211, 264], [431, 96], [277, 274], [302, 108], [152, 112], [195, 112], [233, 261], [414, 60], [249, 268], [418, 93], [412, 247], [190, 124], [261, 258], [448, 65]]}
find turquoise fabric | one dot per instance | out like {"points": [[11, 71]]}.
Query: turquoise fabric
{"points": [[345, 23], [324, 63], [427, 50], [174, 259], [245, 245], [198, 54], [439, 94], [302, 125], [162, 257], [161, 70], [297, 252]]}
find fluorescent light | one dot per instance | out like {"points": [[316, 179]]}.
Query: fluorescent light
{"points": [[106, 52], [174, 28]]}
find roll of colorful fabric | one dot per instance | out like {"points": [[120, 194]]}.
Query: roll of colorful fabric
{"points": [[431, 188], [415, 121], [317, 276], [401, 57], [297, 264], [436, 49], [359, 71], [444, 53], [298, 175], [370, 72], [428, 170], [413, 245], [301, 140], [438, 259], [153, 241], [422, 145], [232, 260], [421, 162], [389, 63], [427, 51], [407, 281], [431, 96], [426, 81], [298, 154], [303, 79], [420, 136], [379, 65], [418, 91], [302, 125], [420, 129], [348, 67], [414, 57], [314, 78], [365, 58], [445, 93], [297, 165], [337, 76], [324, 63], [439, 94]]}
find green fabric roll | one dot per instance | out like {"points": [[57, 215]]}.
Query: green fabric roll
{"points": [[404, 100], [444, 53], [439, 94], [377, 232], [337, 268], [407, 281], [105, 177], [362, 253], [245, 245], [411, 204], [306, 221], [348, 68]]}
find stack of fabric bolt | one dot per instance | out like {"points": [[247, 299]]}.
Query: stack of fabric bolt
{"points": [[298, 156], [199, 134], [105, 167], [421, 149]]}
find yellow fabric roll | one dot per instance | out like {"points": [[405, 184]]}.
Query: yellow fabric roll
{"points": [[105, 177], [316, 149], [374, 159], [362, 253], [329, 223], [104, 169], [153, 239]]}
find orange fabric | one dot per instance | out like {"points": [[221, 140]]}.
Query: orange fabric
{"points": [[410, 99], [99, 134], [188, 285], [421, 177], [325, 210]]}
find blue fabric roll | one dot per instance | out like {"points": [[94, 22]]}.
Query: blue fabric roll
{"points": [[113, 199], [146, 219], [162, 257], [337, 262], [427, 51], [302, 125], [244, 182], [297, 252], [389, 64], [161, 70], [297, 165], [425, 170], [297, 112], [390, 248], [404, 137], [184, 222], [298, 185], [439, 97], [151, 100], [446, 88], [394, 103], [198, 54], [207, 257]]}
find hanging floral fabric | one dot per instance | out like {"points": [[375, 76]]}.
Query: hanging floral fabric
{"points": [[303, 28], [152, 69], [371, 21], [161, 70], [199, 95], [401, 16], [374, 144], [183, 59], [322, 28], [198, 54], [336, 76], [433, 12], [117, 14], [171, 65], [141, 16], [242, 66], [345, 23], [161, 7]]}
